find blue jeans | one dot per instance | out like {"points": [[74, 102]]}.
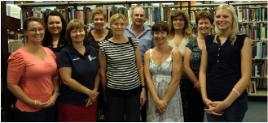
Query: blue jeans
{"points": [[234, 113]]}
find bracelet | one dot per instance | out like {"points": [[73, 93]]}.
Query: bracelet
{"points": [[236, 91], [142, 86]]}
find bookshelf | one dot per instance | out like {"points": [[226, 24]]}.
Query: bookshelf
{"points": [[9, 30], [252, 18], [82, 9]]}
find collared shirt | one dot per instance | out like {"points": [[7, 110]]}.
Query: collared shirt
{"points": [[145, 37], [84, 70]]}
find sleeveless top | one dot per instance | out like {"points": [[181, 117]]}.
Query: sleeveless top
{"points": [[223, 66], [195, 58], [162, 76]]}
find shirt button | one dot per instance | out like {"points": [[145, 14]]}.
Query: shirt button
{"points": [[218, 55], [219, 48], [218, 61]]}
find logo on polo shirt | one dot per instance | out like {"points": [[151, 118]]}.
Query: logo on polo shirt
{"points": [[91, 58], [75, 59]]}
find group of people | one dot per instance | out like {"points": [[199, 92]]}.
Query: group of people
{"points": [[131, 72]]}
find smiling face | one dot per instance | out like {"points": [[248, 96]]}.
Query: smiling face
{"points": [[77, 35], [160, 37], [204, 26], [98, 21], [35, 32], [178, 22], [138, 17], [118, 27], [223, 20], [54, 25]]}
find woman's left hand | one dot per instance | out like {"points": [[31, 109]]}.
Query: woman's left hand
{"points": [[143, 97]]}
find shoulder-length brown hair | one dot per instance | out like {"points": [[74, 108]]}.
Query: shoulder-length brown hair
{"points": [[187, 30]]}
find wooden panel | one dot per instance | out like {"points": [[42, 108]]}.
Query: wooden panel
{"points": [[12, 23]]}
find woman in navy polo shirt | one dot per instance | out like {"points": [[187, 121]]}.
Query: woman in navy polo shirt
{"points": [[225, 69], [78, 68]]}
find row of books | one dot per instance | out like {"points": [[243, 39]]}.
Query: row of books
{"points": [[258, 13], [259, 50], [259, 69], [156, 13], [256, 31], [257, 85]]}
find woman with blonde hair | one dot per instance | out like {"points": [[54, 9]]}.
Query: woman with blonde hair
{"points": [[225, 69], [122, 73]]}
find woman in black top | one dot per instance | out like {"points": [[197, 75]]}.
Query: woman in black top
{"points": [[192, 59], [99, 32], [78, 68], [225, 69], [95, 36], [55, 31]]}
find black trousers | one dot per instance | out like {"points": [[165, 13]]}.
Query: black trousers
{"points": [[123, 107], [193, 106], [45, 115]]}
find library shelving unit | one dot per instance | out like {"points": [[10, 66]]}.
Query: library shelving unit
{"points": [[252, 17], [82, 10], [9, 30], [253, 22]]}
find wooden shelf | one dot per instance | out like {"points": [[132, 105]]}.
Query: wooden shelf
{"points": [[252, 22], [93, 2], [258, 77], [263, 59], [259, 93], [265, 40]]}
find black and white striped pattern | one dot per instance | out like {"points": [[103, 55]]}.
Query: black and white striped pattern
{"points": [[121, 66]]}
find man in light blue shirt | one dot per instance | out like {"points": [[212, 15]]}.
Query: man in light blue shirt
{"points": [[139, 30]]}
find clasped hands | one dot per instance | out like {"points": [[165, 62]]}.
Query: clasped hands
{"points": [[161, 106], [216, 107], [50, 102]]}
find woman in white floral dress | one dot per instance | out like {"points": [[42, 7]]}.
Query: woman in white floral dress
{"points": [[162, 70]]}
